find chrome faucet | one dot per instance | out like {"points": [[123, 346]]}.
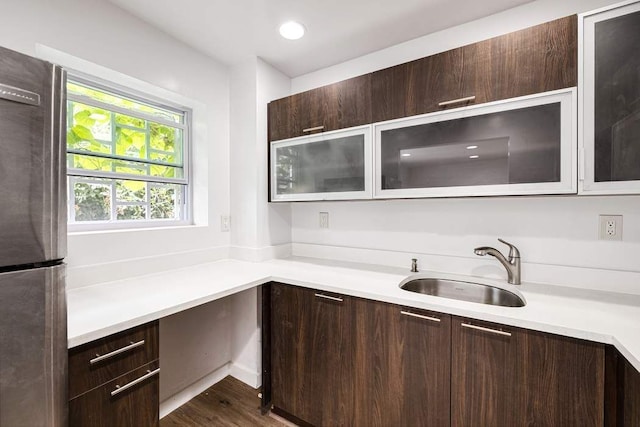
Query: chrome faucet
{"points": [[512, 264]]}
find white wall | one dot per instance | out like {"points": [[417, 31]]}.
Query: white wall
{"points": [[558, 236], [259, 230], [257, 225], [105, 36], [98, 32]]}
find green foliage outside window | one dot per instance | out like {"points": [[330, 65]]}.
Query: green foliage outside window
{"points": [[134, 146]]}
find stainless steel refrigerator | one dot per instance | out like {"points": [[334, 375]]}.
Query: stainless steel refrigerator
{"points": [[33, 326]]}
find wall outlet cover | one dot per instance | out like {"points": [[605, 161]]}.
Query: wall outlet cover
{"points": [[610, 227], [225, 223], [324, 220]]}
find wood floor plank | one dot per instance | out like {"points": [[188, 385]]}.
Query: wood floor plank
{"points": [[229, 403]]}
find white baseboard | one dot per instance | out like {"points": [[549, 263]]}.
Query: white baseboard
{"points": [[177, 400], [246, 375]]}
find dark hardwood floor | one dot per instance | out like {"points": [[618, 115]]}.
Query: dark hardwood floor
{"points": [[228, 403]]}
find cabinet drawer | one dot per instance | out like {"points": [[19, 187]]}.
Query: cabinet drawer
{"points": [[100, 361], [136, 405]]}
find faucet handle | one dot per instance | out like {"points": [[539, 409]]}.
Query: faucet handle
{"points": [[513, 251]]}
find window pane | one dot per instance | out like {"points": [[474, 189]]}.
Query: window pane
{"points": [[131, 143], [102, 96], [131, 191], [121, 119], [163, 201], [89, 128], [92, 163], [129, 213], [92, 201]]}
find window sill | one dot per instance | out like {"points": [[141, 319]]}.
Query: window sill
{"points": [[128, 228]]}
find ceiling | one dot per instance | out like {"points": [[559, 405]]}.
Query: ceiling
{"points": [[337, 30]]}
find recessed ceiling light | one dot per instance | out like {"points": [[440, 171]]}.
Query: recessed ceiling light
{"points": [[473, 157], [406, 154], [472, 147], [292, 30]]}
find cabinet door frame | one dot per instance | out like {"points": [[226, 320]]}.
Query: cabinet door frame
{"points": [[568, 150], [365, 130], [586, 113]]}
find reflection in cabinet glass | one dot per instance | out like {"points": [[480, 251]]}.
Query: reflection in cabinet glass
{"points": [[611, 94], [520, 146], [331, 165]]}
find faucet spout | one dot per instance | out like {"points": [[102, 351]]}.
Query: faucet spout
{"points": [[511, 264]]}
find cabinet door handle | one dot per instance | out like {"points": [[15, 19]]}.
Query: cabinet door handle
{"points": [[100, 358], [149, 374], [480, 328], [329, 297], [420, 316], [457, 101], [312, 129]]}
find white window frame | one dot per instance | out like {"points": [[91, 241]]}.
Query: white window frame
{"points": [[586, 114], [79, 175], [568, 149]]}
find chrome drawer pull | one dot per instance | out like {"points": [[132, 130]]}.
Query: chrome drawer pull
{"points": [[312, 129], [131, 346], [119, 389], [329, 298], [420, 316], [457, 101], [480, 328]]}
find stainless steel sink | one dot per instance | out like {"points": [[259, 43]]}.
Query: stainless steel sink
{"points": [[464, 291]]}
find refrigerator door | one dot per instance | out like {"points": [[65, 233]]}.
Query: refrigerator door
{"points": [[33, 348], [32, 166]]}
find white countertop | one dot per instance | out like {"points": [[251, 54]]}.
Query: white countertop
{"points": [[100, 310]]}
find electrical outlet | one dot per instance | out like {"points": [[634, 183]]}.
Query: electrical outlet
{"points": [[324, 219], [610, 227], [225, 223]]}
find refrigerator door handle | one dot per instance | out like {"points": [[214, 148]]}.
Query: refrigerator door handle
{"points": [[16, 94]]}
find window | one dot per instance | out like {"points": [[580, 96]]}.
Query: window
{"points": [[127, 159]]}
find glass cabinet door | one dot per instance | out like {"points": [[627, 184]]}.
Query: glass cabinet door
{"points": [[611, 100], [520, 146], [327, 166]]}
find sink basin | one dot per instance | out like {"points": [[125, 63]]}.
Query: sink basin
{"points": [[464, 291]]}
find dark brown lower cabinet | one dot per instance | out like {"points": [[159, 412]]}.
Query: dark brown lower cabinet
{"points": [[136, 406], [402, 366], [339, 360], [622, 391], [631, 405], [509, 376], [113, 381], [311, 363]]}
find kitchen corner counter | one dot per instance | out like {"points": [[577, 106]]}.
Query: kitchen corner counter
{"points": [[100, 310]]}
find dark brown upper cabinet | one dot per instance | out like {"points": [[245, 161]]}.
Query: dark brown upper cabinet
{"points": [[341, 105], [534, 60], [418, 87]]}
